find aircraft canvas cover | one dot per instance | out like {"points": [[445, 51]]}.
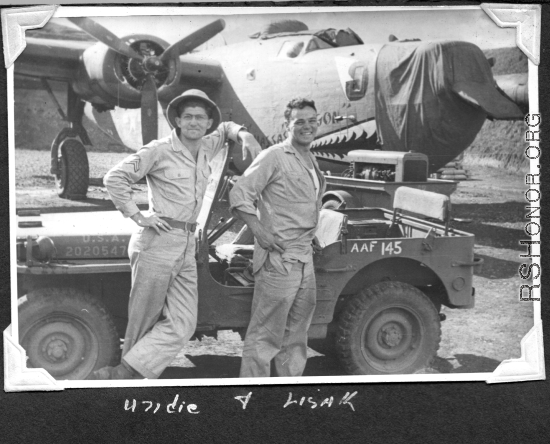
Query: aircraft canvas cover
{"points": [[433, 97]]}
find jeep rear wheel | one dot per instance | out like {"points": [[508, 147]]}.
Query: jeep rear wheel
{"points": [[388, 328], [74, 171], [67, 332]]}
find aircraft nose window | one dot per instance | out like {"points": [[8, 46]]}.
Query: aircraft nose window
{"points": [[291, 49], [357, 84], [312, 46], [315, 44], [357, 87]]}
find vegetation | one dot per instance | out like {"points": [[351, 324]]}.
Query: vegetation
{"points": [[507, 60]]}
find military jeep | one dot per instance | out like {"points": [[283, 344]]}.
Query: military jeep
{"points": [[382, 278]]}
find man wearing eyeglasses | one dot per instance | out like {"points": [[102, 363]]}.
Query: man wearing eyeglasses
{"points": [[286, 184], [162, 312]]}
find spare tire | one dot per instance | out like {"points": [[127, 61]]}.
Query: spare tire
{"points": [[332, 204]]}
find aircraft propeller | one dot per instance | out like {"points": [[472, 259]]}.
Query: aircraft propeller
{"points": [[105, 36], [197, 38], [148, 68], [149, 110]]}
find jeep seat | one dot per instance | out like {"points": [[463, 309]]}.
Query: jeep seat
{"points": [[423, 203], [329, 227]]}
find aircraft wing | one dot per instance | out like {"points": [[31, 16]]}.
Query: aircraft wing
{"points": [[198, 71], [487, 96], [60, 60], [53, 59], [516, 87]]}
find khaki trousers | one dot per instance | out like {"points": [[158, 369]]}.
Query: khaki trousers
{"points": [[162, 312], [282, 310]]}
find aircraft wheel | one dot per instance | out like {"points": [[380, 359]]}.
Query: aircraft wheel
{"points": [[389, 328], [73, 178], [67, 332], [331, 204]]}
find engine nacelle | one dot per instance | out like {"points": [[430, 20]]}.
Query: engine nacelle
{"points": [[111, 79]]}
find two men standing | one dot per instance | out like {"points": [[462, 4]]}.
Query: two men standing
{"points": [[286, 185]]}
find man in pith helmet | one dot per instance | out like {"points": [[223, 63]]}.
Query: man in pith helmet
{"points": [[162, 312]]}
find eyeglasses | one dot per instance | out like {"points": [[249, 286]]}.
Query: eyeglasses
{"points": [[300, 122], [200, 118]]}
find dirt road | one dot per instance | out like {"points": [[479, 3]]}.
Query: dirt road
{"points": [[492, 206]]}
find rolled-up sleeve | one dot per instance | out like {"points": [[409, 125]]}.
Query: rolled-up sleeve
{"points": [[120, 178], [251, 184], [215, 141]]}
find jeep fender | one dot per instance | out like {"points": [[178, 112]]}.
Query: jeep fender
{"points": [[345, 198], [406, 270]]}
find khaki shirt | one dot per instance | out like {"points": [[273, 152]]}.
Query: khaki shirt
{"points": [[279, 182], [176, 183]]}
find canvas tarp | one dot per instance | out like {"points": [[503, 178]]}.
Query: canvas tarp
{"points": [[433, 97]]}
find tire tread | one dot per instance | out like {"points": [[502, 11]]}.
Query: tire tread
{"points": [[358, 305], [42, 300], [78, 170]]}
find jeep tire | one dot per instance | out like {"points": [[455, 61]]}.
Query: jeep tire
{"points": [[67, 332], [389, 328], [74, 172]]}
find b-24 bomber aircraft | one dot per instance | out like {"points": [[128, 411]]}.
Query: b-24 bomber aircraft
{"points": [[427, 96]]}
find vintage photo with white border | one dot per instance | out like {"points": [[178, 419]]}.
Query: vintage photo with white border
{"points": [[404, 199]]}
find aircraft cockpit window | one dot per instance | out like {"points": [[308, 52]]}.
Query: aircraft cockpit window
{"points": [[315, 44], [291, 49]]}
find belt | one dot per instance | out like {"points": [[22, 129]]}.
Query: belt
{"points": [[187, 226]]}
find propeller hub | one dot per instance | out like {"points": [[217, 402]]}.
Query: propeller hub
{"points": [[135, 71], [152, 64]]}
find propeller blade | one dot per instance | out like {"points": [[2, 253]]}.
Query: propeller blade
{"points": [[105, 36], [197, 38], [149, 110]]}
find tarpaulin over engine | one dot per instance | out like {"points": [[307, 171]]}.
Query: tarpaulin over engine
{"points": [[433, 97]]}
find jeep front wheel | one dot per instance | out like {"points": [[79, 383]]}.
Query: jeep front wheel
{"points": [[67, 332], [388, 328]]}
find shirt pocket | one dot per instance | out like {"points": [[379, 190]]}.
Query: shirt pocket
{"points": [[298, 187], [177, 174], [177, 182]]}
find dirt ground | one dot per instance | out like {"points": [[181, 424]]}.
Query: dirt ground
{"points": [[491, 205]]}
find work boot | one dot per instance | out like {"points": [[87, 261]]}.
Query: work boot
{"points": [[121, 371]]}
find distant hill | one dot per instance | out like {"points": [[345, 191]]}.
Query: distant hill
{"points": [[507, 60]]}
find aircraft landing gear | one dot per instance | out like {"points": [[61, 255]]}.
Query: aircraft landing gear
{"points": [[69, 161], [73, 170]]}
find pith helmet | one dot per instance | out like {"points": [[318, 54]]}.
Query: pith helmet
{"points": [[193, 94]]}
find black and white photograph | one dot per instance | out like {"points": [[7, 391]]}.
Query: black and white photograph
{"points": [[299, 195]]}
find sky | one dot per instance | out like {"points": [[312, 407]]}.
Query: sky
{"points": [[373, 26]]}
